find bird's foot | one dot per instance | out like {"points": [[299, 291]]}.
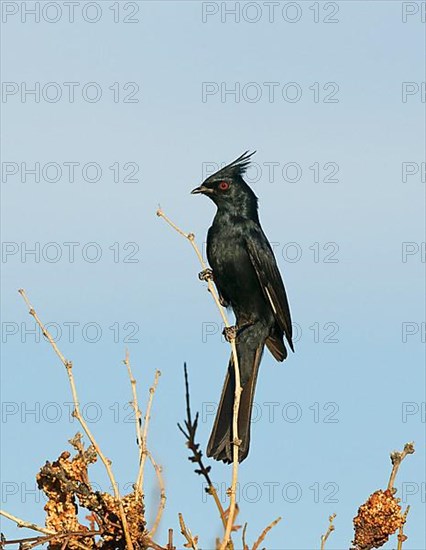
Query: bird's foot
{"points": [[205, 275], [230, 333]]}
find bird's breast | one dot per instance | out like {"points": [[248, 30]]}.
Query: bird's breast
{"points": [[233, 271]]}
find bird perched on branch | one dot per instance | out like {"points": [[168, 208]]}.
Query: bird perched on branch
{"points": [[247, 278]]}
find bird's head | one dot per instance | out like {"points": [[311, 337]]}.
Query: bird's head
{"points": [[227, 189]]}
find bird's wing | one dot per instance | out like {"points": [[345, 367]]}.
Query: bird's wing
{"points": [[265, 265]]}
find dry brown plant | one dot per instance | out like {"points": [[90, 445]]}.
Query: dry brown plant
{"points": [[381, 516], [117, 522]]}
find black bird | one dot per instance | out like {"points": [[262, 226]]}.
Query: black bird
{"points": [[247, 278]]}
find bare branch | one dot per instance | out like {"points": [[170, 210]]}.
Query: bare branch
{"points": [[189, 433], [170, 545], [141, 438], [401, 536], [163, 497], [22, 523], [265, 532], [397, 457], [147, 417], [191, 541], [236, 442], [32, 542], [138, 414], [245, 547], [329, 531], [77, 414]]}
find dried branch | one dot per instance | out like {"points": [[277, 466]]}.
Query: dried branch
{"points": [[191, 541], [151, 544], [138, 414], [265, 532], [329, 531], [32, 542], [245, 546], [401, 536], [396, 458], [191, 238], [143, 450], [28, 525], [147, 417], [197, 454], [77, 414], [170, 545], [163, 497], [236, 442]]}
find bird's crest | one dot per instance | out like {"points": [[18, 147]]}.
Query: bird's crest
{"points": [[235, 168]]}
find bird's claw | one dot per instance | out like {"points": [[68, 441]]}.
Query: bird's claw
{"points": [[230, 333], [205, 275]]}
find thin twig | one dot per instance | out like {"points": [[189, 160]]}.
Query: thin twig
{"points": [[191, 429], [170, 545], [77, 414], [141, 438], [236, 442], [265, 532], [245, 547], [329, 531], [397, 457], [149, 543], [22, 523], [163, 498], [401, 536], [191, 238], [192, 541], [32, 542], [147, 417], [138, 414], [28, 544]]}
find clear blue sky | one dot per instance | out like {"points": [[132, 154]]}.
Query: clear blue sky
{"points": [[319, 93]]}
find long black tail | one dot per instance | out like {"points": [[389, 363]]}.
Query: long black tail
{"points": [[220, 443]]}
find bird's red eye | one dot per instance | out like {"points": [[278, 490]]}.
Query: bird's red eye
{"points": [[223, 185]]}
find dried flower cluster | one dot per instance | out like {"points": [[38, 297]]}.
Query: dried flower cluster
{"points": [[67, 487], [377, 519]]}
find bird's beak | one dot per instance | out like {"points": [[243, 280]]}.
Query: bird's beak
{"points": [[201, 189]]}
